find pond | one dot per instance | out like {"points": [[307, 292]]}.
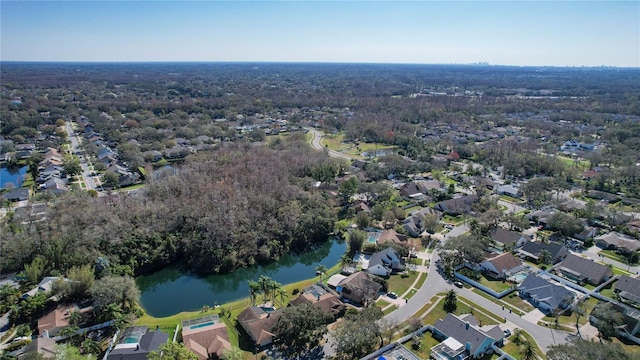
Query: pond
{"points": [[173, 290], [12, 177]]}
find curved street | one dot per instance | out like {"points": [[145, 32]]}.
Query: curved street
{"points": [[316, 143]]}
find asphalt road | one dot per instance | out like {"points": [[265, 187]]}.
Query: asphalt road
{"points": [[316, 143], [89, 181]]}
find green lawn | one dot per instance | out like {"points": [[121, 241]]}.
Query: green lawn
{"points": [[608, 291], [426, 343], [495, 285], [613, 256], [515, 300], [510, 199], [568, 322], [336, 142], [508, 305], [484, 316], [399, 284], [514, 350]]}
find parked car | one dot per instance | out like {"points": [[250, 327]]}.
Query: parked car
{"points": [[392, 295], [458, 284]]}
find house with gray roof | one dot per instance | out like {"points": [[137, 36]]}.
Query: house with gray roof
{"points": [[459, 206], [532, 249], [463, 338], [618, 242], [384, 263], [584, 270], [545, 295], [506, 238], [628, 289], [136, 343]]}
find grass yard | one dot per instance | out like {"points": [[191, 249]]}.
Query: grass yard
{"points": [[515, 300], [568, 322], [456, 220], [508, 305], [495, 285], [511, 199], [614, 256], [514, 350], [399, 284], [627, 345], [608, 291], [484, 316], [426, 343]]}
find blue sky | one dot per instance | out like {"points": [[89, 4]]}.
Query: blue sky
{"points": [[557, 33]]}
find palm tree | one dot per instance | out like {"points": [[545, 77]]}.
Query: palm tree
{"points": [[320, 269], [450, 301], [345, 260], [544, 257], [528, 351], [265, 285], [75, 318], [282, 293], [90, 347], [254, 289]]}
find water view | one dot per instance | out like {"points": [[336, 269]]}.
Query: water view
{"points": [[173, 290], [12, 177]]}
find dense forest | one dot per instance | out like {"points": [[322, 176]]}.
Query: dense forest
{"points": [[239, 205]]}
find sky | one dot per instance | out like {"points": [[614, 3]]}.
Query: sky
{"points": [[522, 33]]}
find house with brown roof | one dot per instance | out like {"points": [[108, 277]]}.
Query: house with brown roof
{"points": [[206, 337], [459, 206], [43, 346], [258, 321], [56, 320], [317, 296], [584, 270], [359, 288], [393, 236], [501, 266]]}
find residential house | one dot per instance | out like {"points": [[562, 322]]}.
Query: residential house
{"points": [[509, 190], [571, 205], [206, 337], [453, 156], [358, 288], [152, 155], [545, 295], [459, 206], [628, 289], [318, 296], [584, 270], [384, 263], [588, 233], [464, 338], [418, 188], [603, 195], [21, 194], [532, 249], [176, 152], [414, 224], [361, 206], [616, 241], [51, 156], [136, 343], [504, 239], [630, 327], [391, 235], [501, 266], [257, 322], [45, 285], [55, 185], [55, 320], [43, 346]]}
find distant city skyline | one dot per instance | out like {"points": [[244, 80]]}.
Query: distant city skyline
{"points": [[520, 33]]}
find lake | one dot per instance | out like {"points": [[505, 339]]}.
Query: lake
{"points": [[12, 176], [173, 290]]}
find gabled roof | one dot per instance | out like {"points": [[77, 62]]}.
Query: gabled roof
{"points": [[543, 291], [391, 235], [463, 331], [45, 346], [585, 268], [505, 261], [629, 288], [534, 248], [386, 258], [55, 319], [258, 323], [459, 205], [619, 241], [504, 236]]}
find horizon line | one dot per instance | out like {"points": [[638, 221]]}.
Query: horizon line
{"points": [[477, 64]]}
